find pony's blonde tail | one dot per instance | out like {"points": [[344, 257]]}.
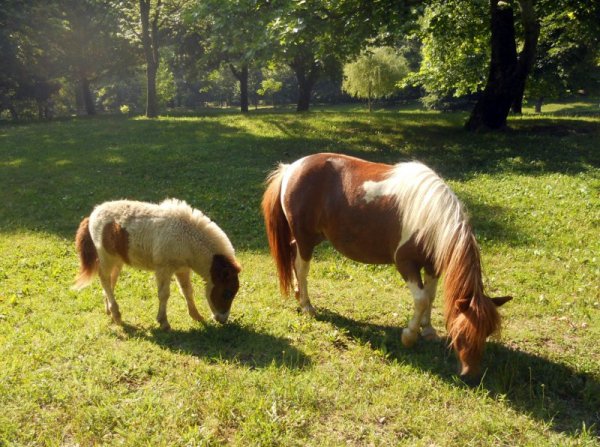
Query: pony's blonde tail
{"points": [[88, 255], [278, 229], [470, 315]]}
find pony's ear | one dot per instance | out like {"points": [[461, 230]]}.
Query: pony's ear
{"points": [[500, 300]]}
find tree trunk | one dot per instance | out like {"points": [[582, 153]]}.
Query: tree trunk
{"points": [[86, 96], [150, 43], [508, 74], [538, 104], [531, 29], [242, 77], [151, 99], [307, 72]]}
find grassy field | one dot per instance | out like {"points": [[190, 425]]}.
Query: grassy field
{"points": [[271, 376]]}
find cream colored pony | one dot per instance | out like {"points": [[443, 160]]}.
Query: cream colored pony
{"points": [[169, 238]]}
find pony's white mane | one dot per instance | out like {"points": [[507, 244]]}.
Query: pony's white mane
{"points": [[212, 236], [430, 210]]}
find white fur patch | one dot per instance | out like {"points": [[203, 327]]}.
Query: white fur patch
{"points": [[285, 180], [373, 190]]}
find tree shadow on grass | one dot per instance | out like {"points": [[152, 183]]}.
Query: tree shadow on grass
{"points": [[230, 342], [549, 391]]}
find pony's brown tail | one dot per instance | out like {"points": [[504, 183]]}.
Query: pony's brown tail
{"points": [[278, 229], [471, 316], [88, 256]]}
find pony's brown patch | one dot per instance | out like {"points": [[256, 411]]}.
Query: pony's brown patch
{"points": [[115, 240], [224, 273], [88, 256]]}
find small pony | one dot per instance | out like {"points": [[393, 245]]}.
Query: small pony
{"points": [[382, 214], [169, 238]]}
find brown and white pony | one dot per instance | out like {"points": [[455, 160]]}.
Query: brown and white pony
{"points": [[169, 238], [382, 214]]}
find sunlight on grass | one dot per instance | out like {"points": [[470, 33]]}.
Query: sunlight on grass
{"points": [[273, 376]]}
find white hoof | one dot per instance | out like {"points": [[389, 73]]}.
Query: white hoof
{"points": [[409, 337]]}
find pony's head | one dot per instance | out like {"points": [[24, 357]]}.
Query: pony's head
{"points": [[469, 330], [223, 286]]}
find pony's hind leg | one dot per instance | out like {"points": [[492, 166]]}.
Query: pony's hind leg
{"points": [[429, 286], [186, 289], [163, 282], [110, 304], [301, 269]]}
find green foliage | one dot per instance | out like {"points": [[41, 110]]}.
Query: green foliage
{"points": [[455, 48], [568, 50], [237, 30], [375, 73], [165, 85], [455, 38], [272, 376]]}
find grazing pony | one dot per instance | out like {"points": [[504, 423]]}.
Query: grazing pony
{"points": [[169, 238], [381, 214]]}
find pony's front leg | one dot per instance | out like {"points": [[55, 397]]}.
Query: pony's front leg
{"points": [[422, 303], [163, 281], [301, 269], [430, 287], [186, 289]]}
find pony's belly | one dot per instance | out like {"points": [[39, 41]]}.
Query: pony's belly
{"points": [[367, 251], [141, 262]]}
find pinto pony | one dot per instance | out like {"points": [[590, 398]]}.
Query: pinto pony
{"points": [[381, 214], [169, 238]]}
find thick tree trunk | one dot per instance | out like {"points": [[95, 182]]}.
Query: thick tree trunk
{"points": [[150, 44], [307, 73], [492, 108], [242, 76], [508, 74], [86, 96], [304, 93]]}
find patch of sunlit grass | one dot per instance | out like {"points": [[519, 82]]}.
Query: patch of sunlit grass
{"points": [[272, 376]]}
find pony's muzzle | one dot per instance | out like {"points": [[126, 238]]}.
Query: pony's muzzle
{"points": [[221, 318]]}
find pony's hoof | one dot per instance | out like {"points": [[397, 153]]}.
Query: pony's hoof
{"points": [[409, 338], [116, 317], [309, 310], [165, 326], [430, 334]]}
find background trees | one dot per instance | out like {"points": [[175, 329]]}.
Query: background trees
{"points": [[375, 74], [89, 56]]}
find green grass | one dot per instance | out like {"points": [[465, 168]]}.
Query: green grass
{"points": [[271, 376]]}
